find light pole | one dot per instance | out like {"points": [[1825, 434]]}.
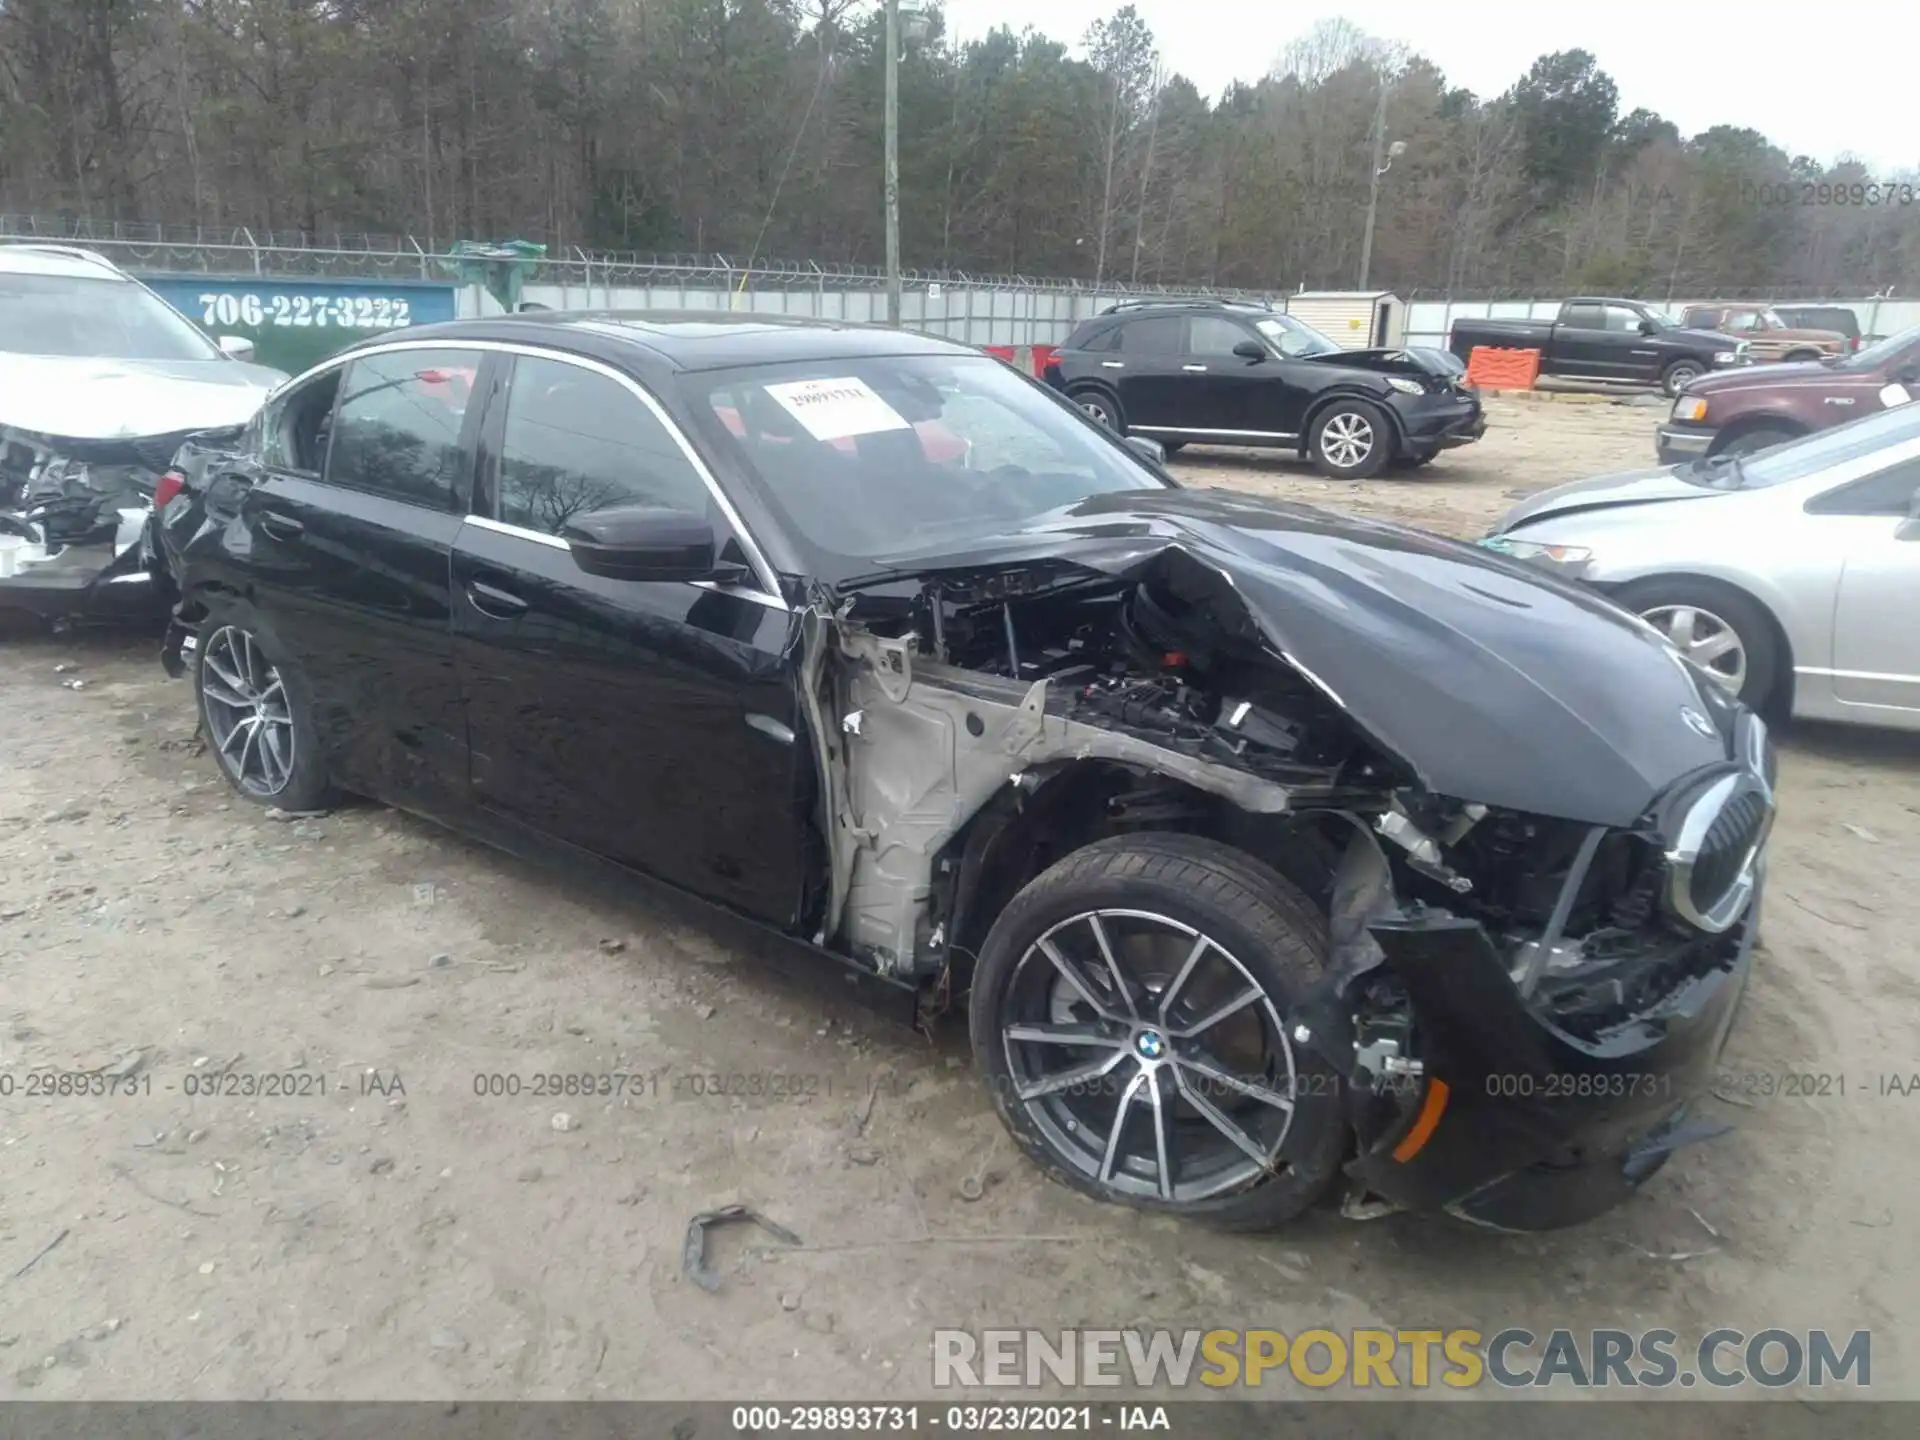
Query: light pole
{"points": [[916, 24], [1380, 167], [893, 163]]}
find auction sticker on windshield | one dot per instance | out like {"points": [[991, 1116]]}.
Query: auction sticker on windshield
{"points": [[838, 408]]}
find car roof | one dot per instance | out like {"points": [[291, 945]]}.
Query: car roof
{"points": [[34, 258], [685, 339]]}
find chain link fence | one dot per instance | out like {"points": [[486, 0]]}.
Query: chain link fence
{"points": [[977, 309]]}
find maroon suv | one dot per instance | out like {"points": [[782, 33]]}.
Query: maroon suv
{"points": [[1733, 412]]}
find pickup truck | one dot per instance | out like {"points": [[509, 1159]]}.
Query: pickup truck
{"points": [[1598, 339]]}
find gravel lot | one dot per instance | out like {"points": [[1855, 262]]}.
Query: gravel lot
{"points": [[440, 1242]]}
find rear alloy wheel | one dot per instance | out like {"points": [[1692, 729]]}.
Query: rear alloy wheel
{"points": [[1677, 376], [1101, 408], [1128, 1011], [1721, 630], [1351, 440], [252, 710]]}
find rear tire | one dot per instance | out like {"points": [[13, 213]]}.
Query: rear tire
{"points": [[1696, 614], [1351, 440], [1101, 406], [1680, 374], [256, 712], [1128, 1091]]}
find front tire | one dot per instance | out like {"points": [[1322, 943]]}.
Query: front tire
{"points": [[1351, 440], [256, 713], [1100, 406], [1128, 1014], [1752, 442], [1682, 373], [1719, 628]]}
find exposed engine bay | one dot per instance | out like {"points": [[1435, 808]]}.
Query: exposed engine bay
{"points": [[1061, 705], [70, 509]]}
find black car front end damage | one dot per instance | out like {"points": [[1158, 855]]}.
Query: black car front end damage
{"points": [[1444, 412], [1536, 834], [75, 534]]}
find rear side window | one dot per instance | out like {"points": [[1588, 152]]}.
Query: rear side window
{"points": [[1154, 335], [577, 441], [397, 429], [1583, 317], [1699, 319]]}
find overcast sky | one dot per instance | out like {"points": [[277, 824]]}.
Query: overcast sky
{"points": [[1697, 62]]}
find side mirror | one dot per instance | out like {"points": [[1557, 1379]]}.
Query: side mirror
{"points": [[645, 542], [239, 347], [1250, 350], [1152, 451], [1647, 327], [1906, 375]]}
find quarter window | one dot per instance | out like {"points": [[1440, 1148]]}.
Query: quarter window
{"points": [[577, 441], [1891, 492], [397, 429]]}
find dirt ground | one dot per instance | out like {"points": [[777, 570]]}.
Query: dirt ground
{"points": [[437, 1242]]}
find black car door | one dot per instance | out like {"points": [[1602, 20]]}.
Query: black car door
{"points": [[1154, 394], [650, 723], [1245, 399], [349, 569]]}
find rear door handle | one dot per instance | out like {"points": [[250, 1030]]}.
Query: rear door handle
{"points": [[492, 600], [281, 527], [1200, 369]]}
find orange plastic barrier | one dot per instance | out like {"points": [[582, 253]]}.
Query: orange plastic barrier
{"points": [[1000, 352], [1043, 357], [1498, 369]]}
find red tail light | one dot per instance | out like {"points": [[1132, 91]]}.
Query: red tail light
{"points": [[171, 484]]}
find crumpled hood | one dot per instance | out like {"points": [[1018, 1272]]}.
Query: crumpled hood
{"points": [[100, 399], [1632, 487], [1388, 361], [1492, 681]]}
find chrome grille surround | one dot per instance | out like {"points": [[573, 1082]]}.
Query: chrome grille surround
{"points": [[1718, 852]]}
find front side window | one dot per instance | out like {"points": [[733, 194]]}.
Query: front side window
{"points": [[1740, 322], [397, 429], [1294, 339], [883, 456], [577, 441], [1214, 335], [77, 316], [1622, 321]]}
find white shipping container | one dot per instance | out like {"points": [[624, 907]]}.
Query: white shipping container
{"points": [[1353, 319]]}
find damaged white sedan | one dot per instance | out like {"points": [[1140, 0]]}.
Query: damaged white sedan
{"points": [[100, 382], [1277, 851]]}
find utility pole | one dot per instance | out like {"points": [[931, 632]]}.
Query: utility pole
{"points": [[893, 163], [1375, 171]]}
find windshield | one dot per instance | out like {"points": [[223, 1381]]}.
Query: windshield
{"points": [[99, 319], [1885, 352], [879, 456], [1294, 339], [1797, 459]]}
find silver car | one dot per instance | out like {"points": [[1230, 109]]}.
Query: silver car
{"points": [[1793, 575]]}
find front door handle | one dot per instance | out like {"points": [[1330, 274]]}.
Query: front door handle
{"points": [[281, 527], [1200, 369], [492, 600]]}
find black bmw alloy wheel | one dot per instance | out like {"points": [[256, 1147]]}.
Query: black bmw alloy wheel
{"points": [[1128, 1011]]}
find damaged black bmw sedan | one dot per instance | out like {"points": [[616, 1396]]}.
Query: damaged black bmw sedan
{"points": [[1276, 853]]}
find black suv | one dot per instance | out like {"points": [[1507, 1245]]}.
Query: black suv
{"points": [[1216, 372]]}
